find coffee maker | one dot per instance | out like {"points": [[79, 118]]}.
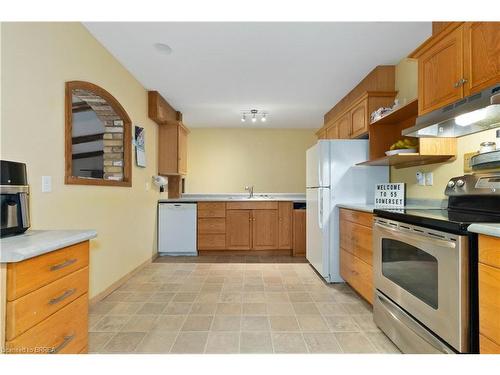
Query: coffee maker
{"points": [[14, 196]]}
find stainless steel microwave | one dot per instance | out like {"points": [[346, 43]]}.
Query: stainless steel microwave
{"points": [[14, 196]]}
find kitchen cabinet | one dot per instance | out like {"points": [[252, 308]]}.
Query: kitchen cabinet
{"points": [[481, 55], [359, 119], [356, 254], [46, 307], [239, 229], [332, 132], [211, 228], [489, 294], [285, 225], [299, 232], [265, 229], [245, 225], [462, 59], [344, 125], [172, 149]]}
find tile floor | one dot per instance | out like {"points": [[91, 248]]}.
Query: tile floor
{"points": [[174, 307]]}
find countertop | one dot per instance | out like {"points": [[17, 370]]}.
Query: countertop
{"points": [[37, 242], [410, 204], [490, 229], [258, 197]]}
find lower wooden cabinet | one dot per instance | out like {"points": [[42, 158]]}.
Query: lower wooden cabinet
{"points": [[245, 225], [299, 233], [489, 294], [356, 252], [47, 303]]}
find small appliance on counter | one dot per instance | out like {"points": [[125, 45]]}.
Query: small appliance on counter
{"points": [[14, 195], [425, 268]]}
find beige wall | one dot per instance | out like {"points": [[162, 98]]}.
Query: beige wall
{"points": [[37, 59], [442, 172], [406, 84], [225, 160]]}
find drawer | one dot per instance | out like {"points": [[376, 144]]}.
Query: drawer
{"points": [[65, 331], [489, 250], [211, 226], [357, 239], [31, 274], [246, 205], [358, 274], [211, 209], [362, 218], [486, 346], [25, 312], [211, 241], [489, 302]]}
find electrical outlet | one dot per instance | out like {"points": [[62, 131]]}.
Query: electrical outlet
{"points": [[429, 178], [420, 178], [46, 184]]}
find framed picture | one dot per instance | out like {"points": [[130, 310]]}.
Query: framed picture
{"points": [[140, 147]]}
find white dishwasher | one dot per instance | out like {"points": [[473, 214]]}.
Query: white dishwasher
{"points": [[177, 229]]}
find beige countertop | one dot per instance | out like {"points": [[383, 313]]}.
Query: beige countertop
{"points": [[489, 229]]}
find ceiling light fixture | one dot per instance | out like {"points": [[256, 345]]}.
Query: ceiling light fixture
{"points": [[255, 115]]}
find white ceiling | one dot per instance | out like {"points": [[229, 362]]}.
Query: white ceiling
{"points": [[294, 71]]}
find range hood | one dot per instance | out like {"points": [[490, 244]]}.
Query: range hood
{"points": [[469, 115]]}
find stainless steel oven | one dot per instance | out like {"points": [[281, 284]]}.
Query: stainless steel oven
{"points": [[421, 287]]}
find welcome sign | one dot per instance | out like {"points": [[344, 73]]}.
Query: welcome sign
{"points": [[390, 195]]}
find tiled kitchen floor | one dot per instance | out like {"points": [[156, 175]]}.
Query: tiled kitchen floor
{"points": [[233, 308]]}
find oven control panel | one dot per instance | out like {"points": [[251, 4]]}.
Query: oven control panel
{"points": [[474, 184]]}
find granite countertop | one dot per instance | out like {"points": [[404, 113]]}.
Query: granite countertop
{"points": [[411, 204], [258, 197], [37, 242], [489, 229]]}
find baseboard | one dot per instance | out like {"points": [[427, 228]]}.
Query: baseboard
{"points": [[106, 292], [244, 252]]}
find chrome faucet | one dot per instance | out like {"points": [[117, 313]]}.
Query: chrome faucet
{"points": [[250, 191]]}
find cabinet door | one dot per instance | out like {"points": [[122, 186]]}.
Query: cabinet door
{"points": [[359, 123], [238, 229], [299, 232], [344, 127], [285, 229], [481, 55], [182, 150], [332, 132], [168, 147], [264, 229], [439, 72]]}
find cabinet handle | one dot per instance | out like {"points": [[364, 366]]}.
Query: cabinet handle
{"points": [[66, 263], [61, 346], [460, 82], [62, 297]]}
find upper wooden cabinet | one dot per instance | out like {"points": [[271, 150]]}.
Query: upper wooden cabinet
{"points": [[461, 60], [481, 55], [172, 138], [172, 149], [359, 119], [344, 126], [332, 132]]}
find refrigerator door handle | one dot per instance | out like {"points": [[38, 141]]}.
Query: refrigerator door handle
{"points": [[320, 208]]}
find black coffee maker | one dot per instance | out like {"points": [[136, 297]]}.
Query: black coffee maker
{"points": [[14, 196]]}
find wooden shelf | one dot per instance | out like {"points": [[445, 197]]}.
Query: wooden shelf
{"points": [[399, 115], [408, 160]]}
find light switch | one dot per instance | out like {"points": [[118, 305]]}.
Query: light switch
{"points": [[429, 178], [420, 178], [46, 184]]}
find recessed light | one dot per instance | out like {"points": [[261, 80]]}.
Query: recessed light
{"points": [[163, 48]]}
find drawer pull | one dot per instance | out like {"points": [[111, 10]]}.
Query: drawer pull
{"points": [[66, 263], [62, 297], [61, 346]]}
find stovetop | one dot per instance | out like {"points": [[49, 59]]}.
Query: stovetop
{"points": [[455, 221]]}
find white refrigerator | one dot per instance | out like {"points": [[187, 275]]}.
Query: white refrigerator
{"points": [[333, 178]]}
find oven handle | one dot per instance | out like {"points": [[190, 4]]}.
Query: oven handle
{"points": [[397, 233], [402, 317]]}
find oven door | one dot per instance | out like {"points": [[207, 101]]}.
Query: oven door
{"points": [[425, 272]]}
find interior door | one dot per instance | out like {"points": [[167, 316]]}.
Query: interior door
{"points": [[264, 229], [238, 229]]}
